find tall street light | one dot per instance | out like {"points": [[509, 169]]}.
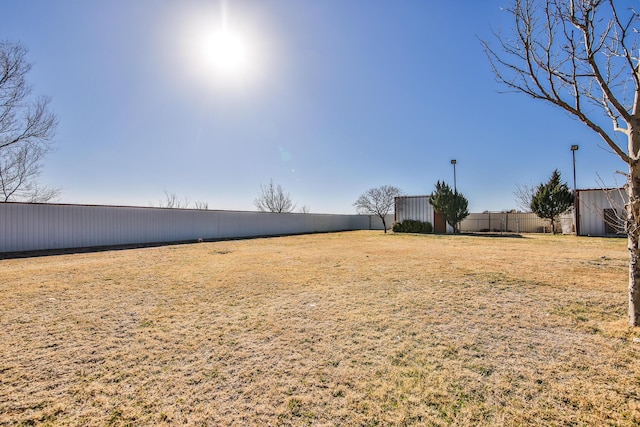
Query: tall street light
{"points": [[576, 216], [453, 162]]}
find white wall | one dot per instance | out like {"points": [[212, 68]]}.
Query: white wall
{"points": [[592, 204], [28, 227], [376, 222]]}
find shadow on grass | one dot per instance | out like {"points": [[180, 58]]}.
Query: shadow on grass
{"points": [[121, 247], [492, 234], [469, 234]]}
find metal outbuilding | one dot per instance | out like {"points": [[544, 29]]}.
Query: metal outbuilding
{"points": [[419, 208], [601, 211]]}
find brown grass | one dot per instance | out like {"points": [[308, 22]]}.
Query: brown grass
{"points": [[356, 328]]}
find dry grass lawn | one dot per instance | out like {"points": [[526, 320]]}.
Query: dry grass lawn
{"points": [[356, 328]]}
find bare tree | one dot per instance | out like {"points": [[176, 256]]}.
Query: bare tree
{"points": [[172, 200], [378, 201], [305, 209], [579, 55], [39, 194], [201, 205], [523, 195], [272, 198], [27, 129]]}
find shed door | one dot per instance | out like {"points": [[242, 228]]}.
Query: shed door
{"points": [[613, 222], [439, 224]]}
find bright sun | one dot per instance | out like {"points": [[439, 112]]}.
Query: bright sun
{"points": [[227, 52], [221, 51]]}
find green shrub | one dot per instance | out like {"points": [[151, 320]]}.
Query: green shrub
{"points": [[412, 226]]}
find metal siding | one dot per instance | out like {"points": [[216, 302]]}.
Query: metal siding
{"points": [[22, 229], [590, 221], [8, 237], [415, 208], [43, 231], [9, 231], [505, 222], [30, 227], [376, 222], [592, 205], [27, 227]]}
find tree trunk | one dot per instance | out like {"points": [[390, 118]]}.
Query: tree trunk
{"points": [[633, 210], [384, 223], [633, 233]]}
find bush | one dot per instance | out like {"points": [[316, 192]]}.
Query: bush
{"points": [[412, 226]]}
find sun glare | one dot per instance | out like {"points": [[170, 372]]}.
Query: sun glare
{"points": [[221, 50], [226, 52]]}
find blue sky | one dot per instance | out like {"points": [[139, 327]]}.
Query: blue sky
{"points": [[335, 97]]}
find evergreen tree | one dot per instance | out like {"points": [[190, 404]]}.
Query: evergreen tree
{"points": [[451, 204], [552, 199]]}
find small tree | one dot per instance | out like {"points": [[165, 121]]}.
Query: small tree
{"points": [[582, 56], [378, 201], [523, 195], [451, 204], [273, 199], [552, 199]]}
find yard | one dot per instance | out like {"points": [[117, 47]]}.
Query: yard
{"points": [[357, 328]]}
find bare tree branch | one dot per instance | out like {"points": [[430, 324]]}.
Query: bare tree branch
{"points": [[524, 195], [27, 129], [562, 54]]}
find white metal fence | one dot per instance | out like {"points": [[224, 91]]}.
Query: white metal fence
{"points": [[30, 227], [505, 222]]}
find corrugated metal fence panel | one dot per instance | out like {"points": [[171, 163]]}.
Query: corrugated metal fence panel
{"points": [[592, 206], [414, 207], [357, 222], [27, 227], [376, 222], [504, 222]]}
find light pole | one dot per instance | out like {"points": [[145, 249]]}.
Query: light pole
{"points": [[453, 162], [576, 216]]}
